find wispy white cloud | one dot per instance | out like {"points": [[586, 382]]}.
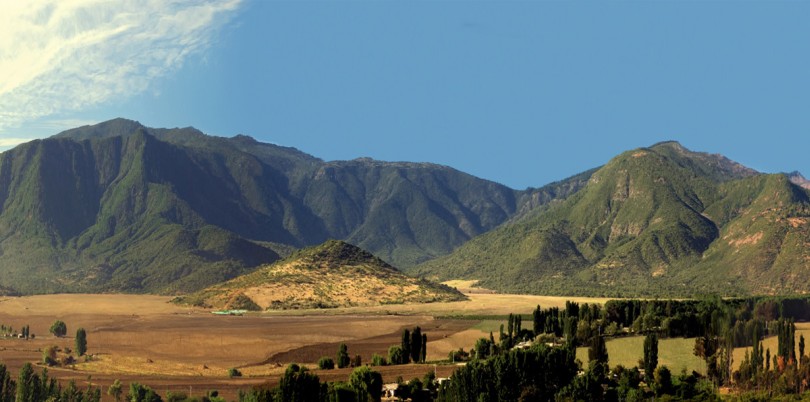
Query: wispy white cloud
{"points": [[10, 142], [60, 56]]}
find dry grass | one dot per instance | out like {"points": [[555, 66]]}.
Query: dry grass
{"points": [[312, 280], [467, 286], [772, 343], [335, 288], [751, 239], [147, 339], [96, 304], [440, 349], [478, 305], [126, 331]]}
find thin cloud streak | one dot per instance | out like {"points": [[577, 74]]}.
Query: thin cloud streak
{"points": [[11, 142], [63, 56]]}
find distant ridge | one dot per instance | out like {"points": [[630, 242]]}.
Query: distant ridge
{"points": [[798, 179], [121, 207], [334, 274], [652, 222]]}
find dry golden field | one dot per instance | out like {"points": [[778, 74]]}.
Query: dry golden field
{"points": [[771, 342], [150, 340]]}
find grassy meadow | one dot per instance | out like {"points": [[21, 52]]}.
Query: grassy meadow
{"points": [[675, 353]]}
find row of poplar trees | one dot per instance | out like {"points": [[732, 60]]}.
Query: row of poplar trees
{"points": [[413, 348]]}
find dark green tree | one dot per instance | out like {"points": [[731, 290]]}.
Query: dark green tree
{"points": [[541, 372], [482, 348], [299, 385], [7, 386], [343, 358], [326, 363], [768, 360], [406, 346], [570, 329], [511, 326], [367, 384], [424, 347], [396, 355], [587, 387], [58, 328], [115, 390], [142, 393], [786, 338], [49, 355], [416, 345], [756, 354], [650, 355], [598, 350], [538, 321], [663, 381], [377, 360], [27, 384], [340, 392], [81, 342]]}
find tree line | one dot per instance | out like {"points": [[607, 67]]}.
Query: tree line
{"points": [[412, 348]]}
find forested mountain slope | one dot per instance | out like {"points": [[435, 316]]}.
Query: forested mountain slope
{"points": [[653, 221], [122, 207]]}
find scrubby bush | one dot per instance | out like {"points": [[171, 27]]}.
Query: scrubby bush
{"points": [[326, 363], [58, 328], [377, 360], [343, 359]]}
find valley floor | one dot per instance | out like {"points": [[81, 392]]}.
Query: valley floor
{"points": [[169, 347]]}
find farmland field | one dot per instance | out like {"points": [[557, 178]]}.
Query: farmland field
{"points": [[675, 353], [170, 347], [678, 353]]}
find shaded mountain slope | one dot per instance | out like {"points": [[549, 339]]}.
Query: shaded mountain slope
{"points": [[122, 207]]}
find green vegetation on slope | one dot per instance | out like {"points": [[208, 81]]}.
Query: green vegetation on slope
{"points": [[122, 207], [653, 221]]}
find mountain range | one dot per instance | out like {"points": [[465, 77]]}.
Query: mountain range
{"points": [[120, 207], [653, 221]]}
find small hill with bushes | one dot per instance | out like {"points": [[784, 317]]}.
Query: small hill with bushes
{"points": [[333, 274]]}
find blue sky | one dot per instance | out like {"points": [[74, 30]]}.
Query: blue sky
{"points": [[522, 93]]}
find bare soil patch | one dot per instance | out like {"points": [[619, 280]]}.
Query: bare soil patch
{"points": [[751, 239]]}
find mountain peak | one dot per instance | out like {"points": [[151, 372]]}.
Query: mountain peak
{"points": [[244, 139], [336, 253], [669, 144], [798, 179], [118, 126], [716, 166]]}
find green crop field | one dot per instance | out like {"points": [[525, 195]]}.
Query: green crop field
{"points": [[675, 353]]}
